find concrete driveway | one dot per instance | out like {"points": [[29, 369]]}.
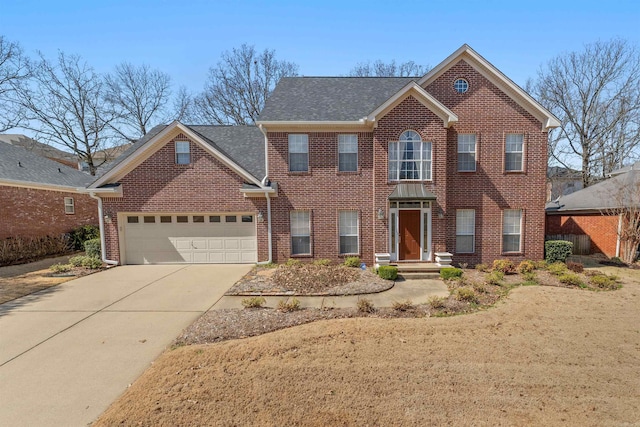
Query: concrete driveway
{"points": [[69, 351]]}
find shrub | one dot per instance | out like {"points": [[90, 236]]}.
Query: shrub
{"points": [[602, 281], [576, 267], [557, 268], [19, 249], [92, 248], [92, 263], [466, 294], [365, 306], [526, 267], [557, 250], [479, 287], [388, 272], [292, 262], [81, 234], [352, 261], [60, 268], [324, 261], [450, 273], [482, 267], [437, 302], [541, 265], [289, 306], [77, 260], [571, 279], [505, 266], [403, 305], [253, 302], [530, 277], [495, 278]]}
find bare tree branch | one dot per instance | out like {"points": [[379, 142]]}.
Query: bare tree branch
{"points": [[14, 68], [238, 86], [390, 69]]}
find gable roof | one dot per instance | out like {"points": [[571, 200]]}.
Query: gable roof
{"points": [[607, 194], [39, 148], [241, 147], [21, 167], [495, 76], [329, 99]]}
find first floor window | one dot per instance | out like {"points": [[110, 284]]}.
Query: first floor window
{"points": [[300, 233], [465, 230], [347, 153], [348, 229], [511, 230], [298, 152], [409, 158], [69, 207], [183, 154], [466, 153], [513, 152]]}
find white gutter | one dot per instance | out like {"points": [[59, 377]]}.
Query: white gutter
{"points": [[270, 260], [103, 244], [618, 235]]}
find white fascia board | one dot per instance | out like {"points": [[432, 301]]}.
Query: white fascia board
{"points": [[284, 123], [495, 76], [412, 88], [40, 186], [151, 146], [259, 192], [104, 192]]}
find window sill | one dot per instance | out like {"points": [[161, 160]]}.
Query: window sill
{"points": [[348, 173], [299, 173], [512, 253], [300, 255], [408, 180], [465, 172], [515, 172], [348, 255]]}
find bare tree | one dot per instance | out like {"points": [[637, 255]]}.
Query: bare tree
{"points": [[182, 105], [391, 69], [65, 104], [14, 68], [138, 96], [596, 95], [625, 203], [239, 84]]}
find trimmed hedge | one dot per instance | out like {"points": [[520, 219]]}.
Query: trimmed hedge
{"points": [[450, 273], [388, 272], [92, 248], [557, 250], [81, 234]]}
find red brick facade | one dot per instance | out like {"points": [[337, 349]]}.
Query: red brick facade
{"points": [[32, 213], [602, 229]]}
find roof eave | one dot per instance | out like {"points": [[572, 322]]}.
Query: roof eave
{"points": [[39, 185]]}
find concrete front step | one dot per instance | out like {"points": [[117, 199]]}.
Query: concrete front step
{"points": [[418, 267], [418, 275]]}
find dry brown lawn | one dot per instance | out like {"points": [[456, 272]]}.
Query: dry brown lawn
{"points": [[543, 356]]}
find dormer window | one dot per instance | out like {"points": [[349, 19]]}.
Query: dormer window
{"points": [[410, 158]]}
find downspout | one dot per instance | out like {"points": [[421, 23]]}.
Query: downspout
{"points": [[264, 183], [270, 260], [618, 235], [103, 243]]}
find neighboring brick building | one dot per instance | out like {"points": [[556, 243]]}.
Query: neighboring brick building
{"points": [[454, 161], [40, 197]]}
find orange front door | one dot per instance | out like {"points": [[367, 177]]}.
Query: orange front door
{"points": [[409, 230]]}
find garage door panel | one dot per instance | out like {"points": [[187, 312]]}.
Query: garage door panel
{"points": [[224, 242]]}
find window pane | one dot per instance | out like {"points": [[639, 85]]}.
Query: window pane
{"points": [[393, 233], [149, 219], [348, 162], [182, 218], [165, 219], [298, 162], [513, 151], [183, 156], [300, 236], [466, 153], [348, 244], [464, 244], [132, 219], [513, 161], [465, 230], [511, 243], [300, 245], [511, 230], [247, 218], [214, 218], [230, 218], [298, 153], [198, 218]]}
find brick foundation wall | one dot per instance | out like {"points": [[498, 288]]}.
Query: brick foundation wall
{"points": [[602, 229], [31, 213], [159, 185]]}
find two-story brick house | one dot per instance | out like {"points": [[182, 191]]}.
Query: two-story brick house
{"points": [[337, 166]]}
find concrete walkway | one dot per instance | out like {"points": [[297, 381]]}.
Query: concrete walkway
{"points": [[418, 291], [66, 353]]}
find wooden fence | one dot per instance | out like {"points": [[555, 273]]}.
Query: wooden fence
{"points": [[581, 242]]}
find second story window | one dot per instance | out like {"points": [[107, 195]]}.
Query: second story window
{"points": [[513, 152], [183, 153], [466, 153], [410, 158], [298, 153], [348, 153]]}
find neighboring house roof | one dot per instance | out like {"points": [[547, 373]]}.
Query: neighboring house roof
{"points": [[39, 148], [243, 146], [327, 99], [635, 166], [619, 191], [21, 167]]}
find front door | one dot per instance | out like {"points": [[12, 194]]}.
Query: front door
{"points": [[409, 233]]}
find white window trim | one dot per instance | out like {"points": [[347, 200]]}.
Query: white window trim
{"points": [[475, 153], [69, 206], [342, 139], [473, 231], [177, 151], [512, 234], [421, 162], [522, 158], [306, 141], [357, 235], [292, 235]]}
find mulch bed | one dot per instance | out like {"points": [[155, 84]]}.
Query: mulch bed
{"points": [[310, 280]]}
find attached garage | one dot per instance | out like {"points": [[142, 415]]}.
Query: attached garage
{"points": [[214, 238]]}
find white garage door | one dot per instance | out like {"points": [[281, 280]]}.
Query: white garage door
{"points": [[202, 238]]}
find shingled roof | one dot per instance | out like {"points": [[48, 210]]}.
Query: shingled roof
{"points": [[329, 98], [19, 165]]}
